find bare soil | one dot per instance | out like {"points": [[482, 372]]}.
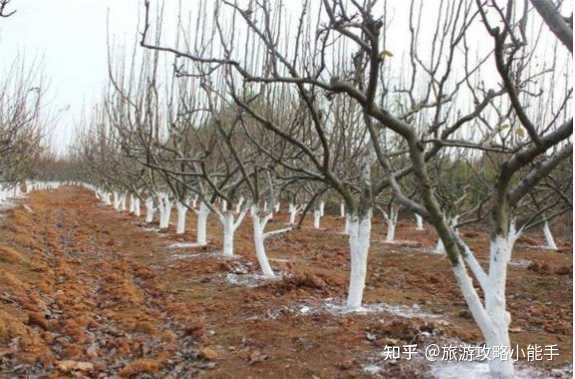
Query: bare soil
{"points": [[88, 292]]}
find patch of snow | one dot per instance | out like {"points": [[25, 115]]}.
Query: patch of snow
{"points": [[250, 280], [184, 245], [216, 254], [480, 370], [339, 308], [401, 242], [7, 204], [520, 263], [372, 369]]}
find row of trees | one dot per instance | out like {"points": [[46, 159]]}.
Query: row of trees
{"points": [[22, 117], [270, 104]]}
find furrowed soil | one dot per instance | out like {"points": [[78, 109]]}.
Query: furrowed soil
{"points": [[89, 292]]}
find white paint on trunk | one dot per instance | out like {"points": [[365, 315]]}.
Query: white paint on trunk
{"points": [[322, 208], [182, 213], [492, 318], [239, 204], [123, 198], [342, 209], [419, 222], [391, 221], [150, 209], [116, 201], [165, 205], [359, 238], [549, 240], [316, 218], [259, 225], [229, 231], [230, 225], [277, 207], [293, 210], [439, 247], [132, 204], [202, 224], [137, 208]]}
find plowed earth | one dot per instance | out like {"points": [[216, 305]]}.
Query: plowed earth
{"points": [[89, 292]]}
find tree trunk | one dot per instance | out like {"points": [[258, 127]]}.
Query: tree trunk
{"points": [[493, 318], [150, 210], [123, 198], [439, 247], [495, 303], [132, 204], [549, 240], [419, 222], [316, 218], [165, 205], [229, 231], [137, 210], [259, 225], [359, 238], [182, 213], [202, 224], [116, 201], [292, 214]]}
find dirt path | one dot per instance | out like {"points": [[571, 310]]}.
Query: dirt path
{"points": [[87, 291]]}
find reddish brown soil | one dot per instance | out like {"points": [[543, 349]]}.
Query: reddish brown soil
{"points": [[87, 291]]}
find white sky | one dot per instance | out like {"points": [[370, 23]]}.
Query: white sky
{"points": [[70, 37]]}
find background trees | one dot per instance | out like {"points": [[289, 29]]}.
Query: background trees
{"points": [[436, 108]]}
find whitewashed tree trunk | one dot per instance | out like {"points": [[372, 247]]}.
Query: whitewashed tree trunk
{"points": [[228, 222], [239, 204], [230, 226], [492, 318], [322, 208], [293, 211], [316, 218], [106, 199], [342, 209], [419, 222], [391, 221], [439, 247], [123, 198], [224, 206], [150, 210], [202, 224], [116, 201], [277, 207], [165, 205], [137, 208], [259, 225], [346, 227], [549, 240], [182, 213], [359, 238], [132, 204]]}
